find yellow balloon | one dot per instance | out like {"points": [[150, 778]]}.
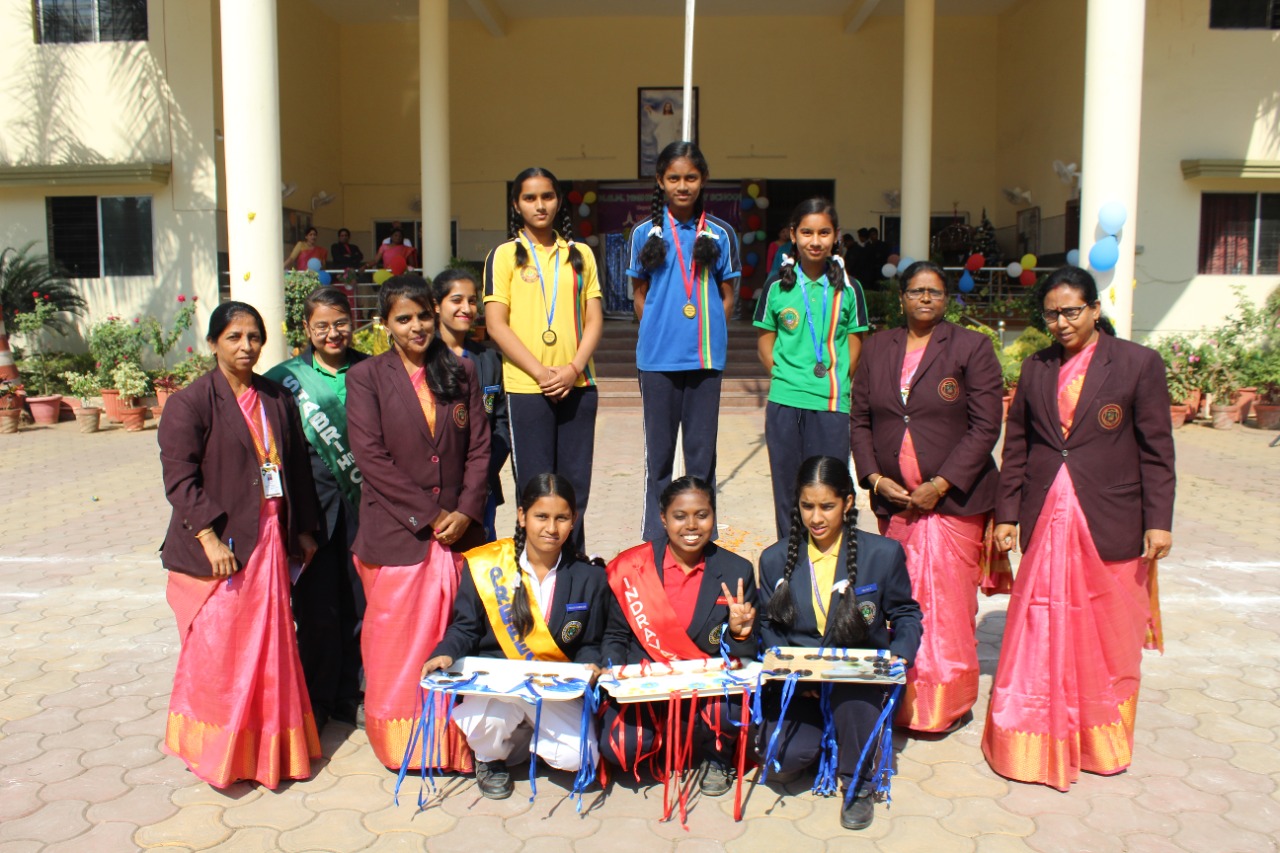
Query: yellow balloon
{"points": [[1028, 261], [589, 197], [753, 190], [381, 275]]}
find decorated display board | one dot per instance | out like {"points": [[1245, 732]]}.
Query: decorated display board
{"points": [[867, 666], [658, 682], [519, 679]]}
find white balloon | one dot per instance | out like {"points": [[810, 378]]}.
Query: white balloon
{"points": [[749, 237], [593, 240], [1014, 269], [905, 262], [888, 270], [584, 210], [762, 203]]}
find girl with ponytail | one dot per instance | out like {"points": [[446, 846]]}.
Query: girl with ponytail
{"points": [[811, 318], [528, 597], [831, 585], [683, 268], [543, 310]]}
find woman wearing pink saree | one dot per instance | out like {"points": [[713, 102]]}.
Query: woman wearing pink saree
{"points": [[924, 420], [417, 425], [1088, 477], [244, 506]]}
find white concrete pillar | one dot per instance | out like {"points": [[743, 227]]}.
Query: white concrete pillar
{"points": [[433, 129], [917, 127], [1112, 126], [251, 141]]}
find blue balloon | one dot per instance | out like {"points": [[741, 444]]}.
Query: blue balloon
{"points": [[314, 265], [1111, 217], [753, 258], [966, 282], [904, 262], [1104, 254], [325, 278], [1073, 257], [747, 202]]}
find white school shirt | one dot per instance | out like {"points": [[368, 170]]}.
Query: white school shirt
{"points": [[544, 590]]}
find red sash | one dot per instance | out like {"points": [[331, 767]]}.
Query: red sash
{"points": [[635, 582]]}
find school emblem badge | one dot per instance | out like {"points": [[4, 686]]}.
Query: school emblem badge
{"points": [[488, 403], [949, 389], [716, 633], [868, 611], [1110, 416], [529, 274], [570, 630], [789, 318], [460, 416]]}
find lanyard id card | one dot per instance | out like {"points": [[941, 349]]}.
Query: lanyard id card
{"points": [[271, 485]]}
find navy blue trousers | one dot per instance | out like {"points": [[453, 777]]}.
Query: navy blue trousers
{"points": [[793, 435], [550, 437], [855, 708], [688, 399]]}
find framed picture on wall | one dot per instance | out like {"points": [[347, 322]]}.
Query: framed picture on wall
{"points": [[659, 120]]}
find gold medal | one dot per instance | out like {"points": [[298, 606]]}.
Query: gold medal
{"points": [[549, 338], [690, 310]]}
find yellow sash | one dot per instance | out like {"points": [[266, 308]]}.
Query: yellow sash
{"points": [[496, 573]]}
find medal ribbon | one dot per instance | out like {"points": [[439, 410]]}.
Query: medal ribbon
{"points": [[691, 275], [808, 315], [265, 442], [542, 284]]}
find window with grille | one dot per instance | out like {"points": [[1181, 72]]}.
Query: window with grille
{"points": [[71, 21], [93, 237], [1244, 14], [1239, 233]]}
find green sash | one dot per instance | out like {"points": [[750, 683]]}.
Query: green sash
{"points": [[324, 420]]}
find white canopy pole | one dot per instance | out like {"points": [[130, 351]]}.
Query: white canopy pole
{"points": [[686, 125]]}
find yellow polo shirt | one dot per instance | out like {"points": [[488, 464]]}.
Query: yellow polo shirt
{"points": [[520, 290], [822, 579]]}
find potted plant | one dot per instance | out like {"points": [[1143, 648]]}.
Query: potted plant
{"points": [[162, 342], [45, 406], [10, 405], [84, 386], [112, 343], [1220, 383], [131, 382]]}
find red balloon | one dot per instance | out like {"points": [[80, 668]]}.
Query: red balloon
{"points": [[585, 229], [575, 196], [753, 223], [1028, 278], [397, 265], [748, 270], [975, 262]]}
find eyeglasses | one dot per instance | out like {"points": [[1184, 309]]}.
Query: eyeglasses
{"points": [[1071, 314], [341, 327], [921, 292]]}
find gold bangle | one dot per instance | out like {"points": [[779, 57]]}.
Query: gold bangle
{"points": [[203, 532], [875, 487], [936, 487]]}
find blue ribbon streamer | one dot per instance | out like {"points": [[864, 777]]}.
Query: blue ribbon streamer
{"points": [[771, 753], [882, 731], [827, 780]]}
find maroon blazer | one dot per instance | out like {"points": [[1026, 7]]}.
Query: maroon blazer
{"points": [[410, 475], [211, 471], [1119, 452], [953, 411]]}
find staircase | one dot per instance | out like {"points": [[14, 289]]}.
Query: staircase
{"points": [[745, 384]]}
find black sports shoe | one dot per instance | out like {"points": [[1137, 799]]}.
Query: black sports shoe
{"points": [[716, 779], [494, 780], [860, 812]]}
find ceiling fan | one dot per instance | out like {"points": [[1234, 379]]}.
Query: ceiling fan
{"points": [[322, 198], [287, 190], [1016, 195]]}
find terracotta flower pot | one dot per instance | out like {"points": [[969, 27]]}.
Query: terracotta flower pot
{"points": [[162, 396], [1179, 415], [111, 404], [1244, 399], [1224, 417], [1266, 416], [133, 418], [45, 410], [1006, 400], [88, 418], [9, 420], [1194, 399]]}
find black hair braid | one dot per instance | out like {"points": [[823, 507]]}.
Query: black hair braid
{"points": [[847, 628], [515, 224], [566, 231], [705, 250], [654, 252], [521, 612], [782, 606], [835, 273], [787, 274], [445, 374]]}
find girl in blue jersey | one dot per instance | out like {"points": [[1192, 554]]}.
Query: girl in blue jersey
{"points": [[683, 268]]}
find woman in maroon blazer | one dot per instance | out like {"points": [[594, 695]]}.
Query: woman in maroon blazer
{"points": [[1088, 477], [925, 418], [416, 420], [244, 505]]}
